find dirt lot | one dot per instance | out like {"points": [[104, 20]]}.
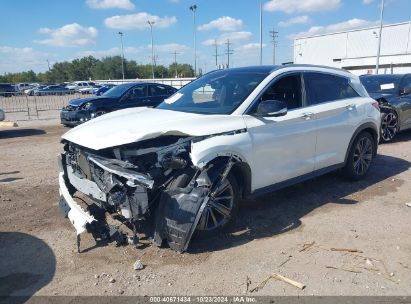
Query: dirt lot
{"points": [[38, 249]]}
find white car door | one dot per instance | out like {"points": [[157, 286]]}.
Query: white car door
{"points": [[283, 147], [338, 111]]}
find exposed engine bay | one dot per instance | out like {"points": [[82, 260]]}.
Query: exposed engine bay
{"points": [[154, 179]]}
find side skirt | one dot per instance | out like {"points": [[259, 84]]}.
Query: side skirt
{"points": [[296, 180]]}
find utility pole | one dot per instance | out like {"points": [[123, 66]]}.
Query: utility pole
{"points": [[48, 64], [122, 53], [261, 33], [193, 8], [175, 62], [151, 23], [274, 35], [379, 38], [228, 52], [216, 55]]}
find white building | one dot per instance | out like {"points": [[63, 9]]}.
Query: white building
{"points": [[356, 50]]}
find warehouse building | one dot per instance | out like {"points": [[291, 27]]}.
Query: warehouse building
{"points": [[356, 50]]}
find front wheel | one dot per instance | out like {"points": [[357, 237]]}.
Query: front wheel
{"points": [[221, 209], [389, 126], [360, 156]]}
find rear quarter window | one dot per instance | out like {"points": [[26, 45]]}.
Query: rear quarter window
{"points": [[326, 87]]}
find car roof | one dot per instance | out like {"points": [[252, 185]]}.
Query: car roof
{"points": [[394, 76]]}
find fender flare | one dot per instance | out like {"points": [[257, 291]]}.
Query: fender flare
{"points": [[371, 128]]}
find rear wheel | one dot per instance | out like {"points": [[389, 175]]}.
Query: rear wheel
{"points": [[360, 156], [389, 126]]}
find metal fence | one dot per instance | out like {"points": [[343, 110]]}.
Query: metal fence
{"points": [[15, 102], [32, 105]]}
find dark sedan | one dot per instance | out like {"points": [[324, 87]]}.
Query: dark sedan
{"points": [[123, 96], [52, 90], [393, 93]]}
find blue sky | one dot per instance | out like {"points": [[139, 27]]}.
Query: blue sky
{"points": [[33, 32]]}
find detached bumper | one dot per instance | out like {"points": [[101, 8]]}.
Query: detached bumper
{"points": [[77, 216]]}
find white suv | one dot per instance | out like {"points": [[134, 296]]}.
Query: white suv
{"points": [[228, 136]]}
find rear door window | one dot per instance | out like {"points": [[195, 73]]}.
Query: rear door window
{"points": [[158, 90], [325, 87]]}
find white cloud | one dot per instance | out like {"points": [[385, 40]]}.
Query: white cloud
{"points": [[169, 48], [294, 20], [106, 4], [138, 21], [69, 35], [250, 47], [225, 23], [366, 2], [116, 51], [22, 59], [336, 27], [232, 36], [291, 6]]}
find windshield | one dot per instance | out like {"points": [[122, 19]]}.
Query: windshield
{"points": [[117, 91], [219, 92], [383, 84]]}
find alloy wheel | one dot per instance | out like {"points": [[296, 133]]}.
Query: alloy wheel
{"points": [[389, 126], [362, 156], [218, 209]]}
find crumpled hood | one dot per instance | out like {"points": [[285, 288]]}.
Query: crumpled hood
{"points": [[80, 101], [136, 124]]}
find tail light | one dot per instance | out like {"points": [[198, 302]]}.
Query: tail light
{"points": [[376, 105]]}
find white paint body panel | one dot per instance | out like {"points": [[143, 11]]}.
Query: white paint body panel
{"points": [[275, 148]]}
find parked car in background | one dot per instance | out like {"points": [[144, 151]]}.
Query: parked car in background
{"points": [[77, 85], [89, 90], [7, 89], [229, 135], [2, 115], [51, 90], [123, 96], [393, 93], [20, 87], [31, 90], [104, 88]]}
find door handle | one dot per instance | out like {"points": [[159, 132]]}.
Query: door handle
{"points": [[307, 115], [350, 107]]}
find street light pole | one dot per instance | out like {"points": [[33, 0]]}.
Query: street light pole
{"points": [[193, 8], [261, 33], [122, 53], [379, 38], [151, 23]]}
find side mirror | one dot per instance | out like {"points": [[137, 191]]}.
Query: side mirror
{"points": [[272, 108], [405, 91]]}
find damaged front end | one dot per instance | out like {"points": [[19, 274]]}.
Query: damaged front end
{"points": [[154, 179]]}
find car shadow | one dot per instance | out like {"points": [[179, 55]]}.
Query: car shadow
{"points": [[27, 264], [401, 137], [20, 133], [281, 211]]}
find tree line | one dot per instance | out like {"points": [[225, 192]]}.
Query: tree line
{"points": [[97, 69]]}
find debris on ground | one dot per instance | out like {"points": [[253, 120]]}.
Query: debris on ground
{"points": [[112, 280], [307, 246], [278, 277], [248, 283], [344, 269], [288, 259], [347, 250], [138, 265], [408, 204]]}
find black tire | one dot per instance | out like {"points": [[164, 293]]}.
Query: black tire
{"points": [[360, 156], [99, 113], [389, 126]]}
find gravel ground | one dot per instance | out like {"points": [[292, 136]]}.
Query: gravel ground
{"points": [[290, 232]]}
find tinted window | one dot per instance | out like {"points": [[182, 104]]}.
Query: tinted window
{"points": [[137, 92], [406, 83], [287, 89], [384, 84], [324, 87], [158, 90]]}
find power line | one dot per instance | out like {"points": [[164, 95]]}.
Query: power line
{"points": [[274, 35], [228, 52]]}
